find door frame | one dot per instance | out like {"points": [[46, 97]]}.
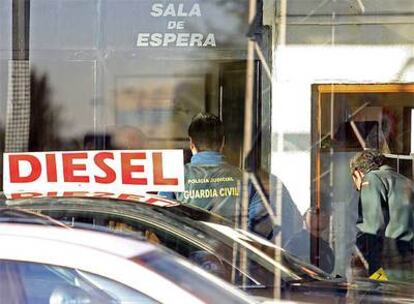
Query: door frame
{"points": [[316, 99]]}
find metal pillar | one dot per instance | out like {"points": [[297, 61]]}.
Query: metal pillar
{"points": [[18, 100]]}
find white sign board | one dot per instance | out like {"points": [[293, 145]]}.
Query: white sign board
{"points": [[129, 171]]}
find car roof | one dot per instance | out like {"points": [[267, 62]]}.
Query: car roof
{"points": [[145, 198], [95, 200], [98, 253], [114, 257], [110, 243]]}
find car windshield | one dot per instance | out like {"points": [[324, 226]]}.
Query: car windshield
{"points": [[200, 236]]}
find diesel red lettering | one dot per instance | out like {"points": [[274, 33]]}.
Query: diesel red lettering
{"points": [[131, 197], [128, 168], [110, 174], [36, 168], [76, 193], [69, 167], [158, 171], [153, 200], [24, 195], [51, 167], [103, 194]]}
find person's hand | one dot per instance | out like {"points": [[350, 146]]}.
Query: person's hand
{"points": [[152, 237], [357, 177]]}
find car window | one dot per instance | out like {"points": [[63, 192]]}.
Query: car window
{"points": [[25, 282]]}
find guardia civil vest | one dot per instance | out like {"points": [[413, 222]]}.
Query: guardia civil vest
{"points": [[213, 185]]}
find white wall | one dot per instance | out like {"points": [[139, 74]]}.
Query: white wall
{"points": [[296, 68]]}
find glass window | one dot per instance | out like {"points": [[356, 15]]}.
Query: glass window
{"points": [[132, 74], [298, 88], [343, 69], [135, 72]]}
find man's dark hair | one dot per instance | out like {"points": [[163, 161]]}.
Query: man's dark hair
{"points": [[366, 161], [206, 131]]}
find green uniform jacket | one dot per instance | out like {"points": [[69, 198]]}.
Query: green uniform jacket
{"points": [[387, 204], [386, 230], [211, 183], [212, 187]]}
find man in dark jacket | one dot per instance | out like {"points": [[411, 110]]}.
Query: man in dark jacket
{"points": [[386, 230]]}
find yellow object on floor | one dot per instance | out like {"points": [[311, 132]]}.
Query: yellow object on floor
{"points": [[379, 275]]}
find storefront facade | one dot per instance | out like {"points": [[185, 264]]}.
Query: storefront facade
{"points": [[315, 82]]}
